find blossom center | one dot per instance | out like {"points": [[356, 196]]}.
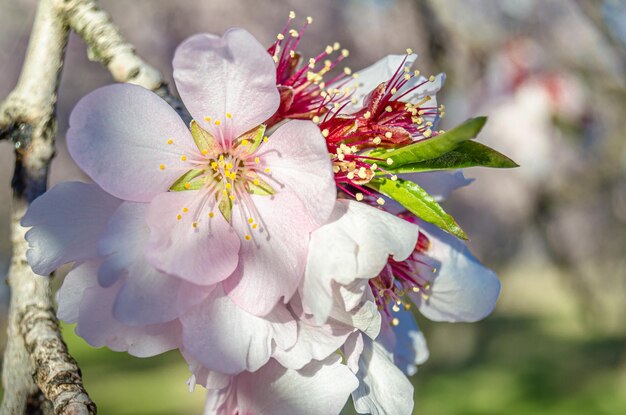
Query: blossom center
{"points": [[224, 174], [413, 275]]}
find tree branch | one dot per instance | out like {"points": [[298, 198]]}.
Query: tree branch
{"points": [[35, 350]]}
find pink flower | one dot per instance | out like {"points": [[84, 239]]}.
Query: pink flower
{"points": [[187, 234], [242, 200]]}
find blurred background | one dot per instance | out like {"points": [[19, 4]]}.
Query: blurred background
{"points": [[550, 76]]}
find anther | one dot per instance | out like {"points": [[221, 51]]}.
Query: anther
{"points": [[217, 122], [162, 166], [395, 322], [179, 216], [207, 119], [170, 141], [380, 201], [183, 158], [185, 209], [248, 237], [409, 51], [187, 185], [229, 115], [359, 196]]}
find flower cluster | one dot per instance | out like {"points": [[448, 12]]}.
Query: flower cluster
{"points": [[257, 240]]}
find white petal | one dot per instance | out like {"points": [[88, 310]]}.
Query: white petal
{"points": [[369, 78], [405, 341], [355, 244], [463, 289], [320, 388], [383, 388]]}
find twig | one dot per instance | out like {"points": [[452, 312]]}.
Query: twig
{"points": [[107, 46], [35, 350]]}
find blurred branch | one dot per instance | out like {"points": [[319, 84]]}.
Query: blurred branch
{"points": [[36, 360], [107, 46]]}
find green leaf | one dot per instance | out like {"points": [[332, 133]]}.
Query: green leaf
{"points": [[434, 147], [179, 185], [466, 154], [417, 201], [203, 139]]}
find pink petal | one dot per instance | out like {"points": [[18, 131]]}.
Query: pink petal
{"points": [[271, 265], [66, 222], [96, 323], [225, 338], [146, 295], [118, 135], [203, 255], [232, 74], [383, 388], [297, 157], [122, 241], [320, 388]]}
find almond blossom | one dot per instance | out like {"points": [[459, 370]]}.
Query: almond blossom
{"points": [[236, 239]]}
